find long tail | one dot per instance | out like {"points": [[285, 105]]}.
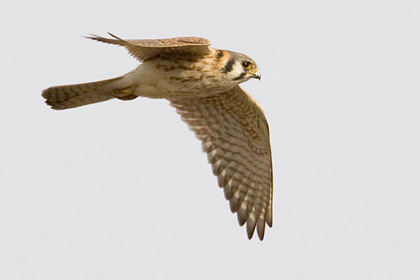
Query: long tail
{"points": [[71, 96]]}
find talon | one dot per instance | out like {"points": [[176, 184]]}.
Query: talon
{"points": [[125, 93]]}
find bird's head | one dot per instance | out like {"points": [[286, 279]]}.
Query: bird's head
{"points": [[240, 68]]}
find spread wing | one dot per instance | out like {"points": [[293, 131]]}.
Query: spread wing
{"points": [[234, 134], [146, 49]]}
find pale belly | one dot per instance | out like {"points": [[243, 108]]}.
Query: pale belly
{"points": [[165, 81]]}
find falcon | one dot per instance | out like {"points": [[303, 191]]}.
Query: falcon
{"points": [[202, 83]]}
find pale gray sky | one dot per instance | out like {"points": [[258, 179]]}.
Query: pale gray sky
{"points": [[121, 190]]}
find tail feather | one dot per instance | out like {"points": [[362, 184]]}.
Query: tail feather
{"points": [[71, 96]]}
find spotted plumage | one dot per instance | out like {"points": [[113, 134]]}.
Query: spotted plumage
{"points": [[202, 83]]}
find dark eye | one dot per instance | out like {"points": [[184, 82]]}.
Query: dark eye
{"points": [[246, 64]]}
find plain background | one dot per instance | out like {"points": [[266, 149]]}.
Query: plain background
{"points": [[120, 190]]}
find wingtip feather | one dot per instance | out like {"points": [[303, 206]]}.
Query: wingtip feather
{"points": [[115, 36], [261, 229]]}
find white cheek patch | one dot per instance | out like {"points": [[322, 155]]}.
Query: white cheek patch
{"points": [[237, 70]]}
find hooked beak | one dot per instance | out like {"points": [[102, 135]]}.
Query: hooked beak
{"points": [[256, 74]]}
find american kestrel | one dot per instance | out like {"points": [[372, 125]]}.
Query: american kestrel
{"points": [[202, 83]]}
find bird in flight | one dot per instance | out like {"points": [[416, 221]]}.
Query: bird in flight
{"points": [[202, 83]]}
